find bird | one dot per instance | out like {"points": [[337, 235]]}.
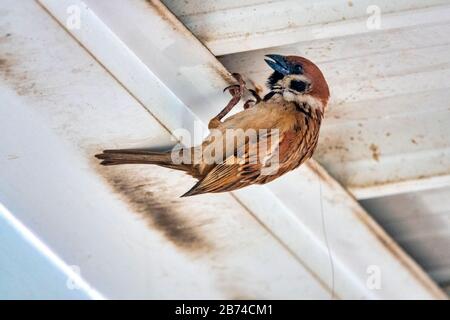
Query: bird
{"points": [[285, 124]]}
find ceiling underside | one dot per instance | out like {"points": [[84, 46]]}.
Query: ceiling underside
{"points": [[420, 223], [132, 74], [387, 127]]}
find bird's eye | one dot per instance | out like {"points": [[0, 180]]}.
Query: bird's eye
{"points": [[298, 85], [297, 69]]}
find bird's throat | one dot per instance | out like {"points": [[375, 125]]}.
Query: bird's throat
{"points": [[303, 102]]}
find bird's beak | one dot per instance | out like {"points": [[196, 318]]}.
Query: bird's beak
{"points": [[279, 63]]}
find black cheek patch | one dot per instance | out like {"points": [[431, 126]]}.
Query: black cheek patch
{"points": [[274, 78], [298, 85]]}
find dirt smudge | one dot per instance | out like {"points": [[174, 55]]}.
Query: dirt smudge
{"points": [[153, 199], [14, 74], [167, 15], [375, 152]]}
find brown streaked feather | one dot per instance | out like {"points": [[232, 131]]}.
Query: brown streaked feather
{"points": [[136, 156], [221, 178], [298, 124], [121, 156], [231, 174]]}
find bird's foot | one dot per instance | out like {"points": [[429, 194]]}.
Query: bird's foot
{"points": [[237, 92], [236, 89], [250, 103]]}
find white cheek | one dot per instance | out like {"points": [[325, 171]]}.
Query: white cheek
{"points": [[289, 96]]}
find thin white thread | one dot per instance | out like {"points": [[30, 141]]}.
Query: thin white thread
{"points": [[324, 231]]}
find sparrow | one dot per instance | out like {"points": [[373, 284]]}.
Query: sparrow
{"points": [[287, 118]]}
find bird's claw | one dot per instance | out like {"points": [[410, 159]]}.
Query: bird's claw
{"points": [[256, 95], [237, 92], [236, 89], [249, 103]]}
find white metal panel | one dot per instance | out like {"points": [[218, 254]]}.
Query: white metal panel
{"points": [[420, 222], [234, 26], [126, 228], [387, 128], [18, 256], [287, 226], [388, 123], [371, 95]]}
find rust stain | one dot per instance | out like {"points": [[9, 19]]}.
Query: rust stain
{"points": [[394, 180], [18, 79], [162, 12], [168, 16], [13, 74], [6, 65], [375, 152], [153, 200]]}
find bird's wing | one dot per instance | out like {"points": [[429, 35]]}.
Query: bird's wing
{"points": [[238, 171]]}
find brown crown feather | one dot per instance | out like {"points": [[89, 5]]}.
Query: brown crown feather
{"points": [[320, 88]]}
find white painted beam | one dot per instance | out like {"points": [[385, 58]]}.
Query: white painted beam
{"points": [[185, 67]]}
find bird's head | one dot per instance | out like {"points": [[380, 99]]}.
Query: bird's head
{"points": [[297, 79]]}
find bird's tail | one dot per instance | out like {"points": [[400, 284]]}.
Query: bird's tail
{"points": [[115, 157]]}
